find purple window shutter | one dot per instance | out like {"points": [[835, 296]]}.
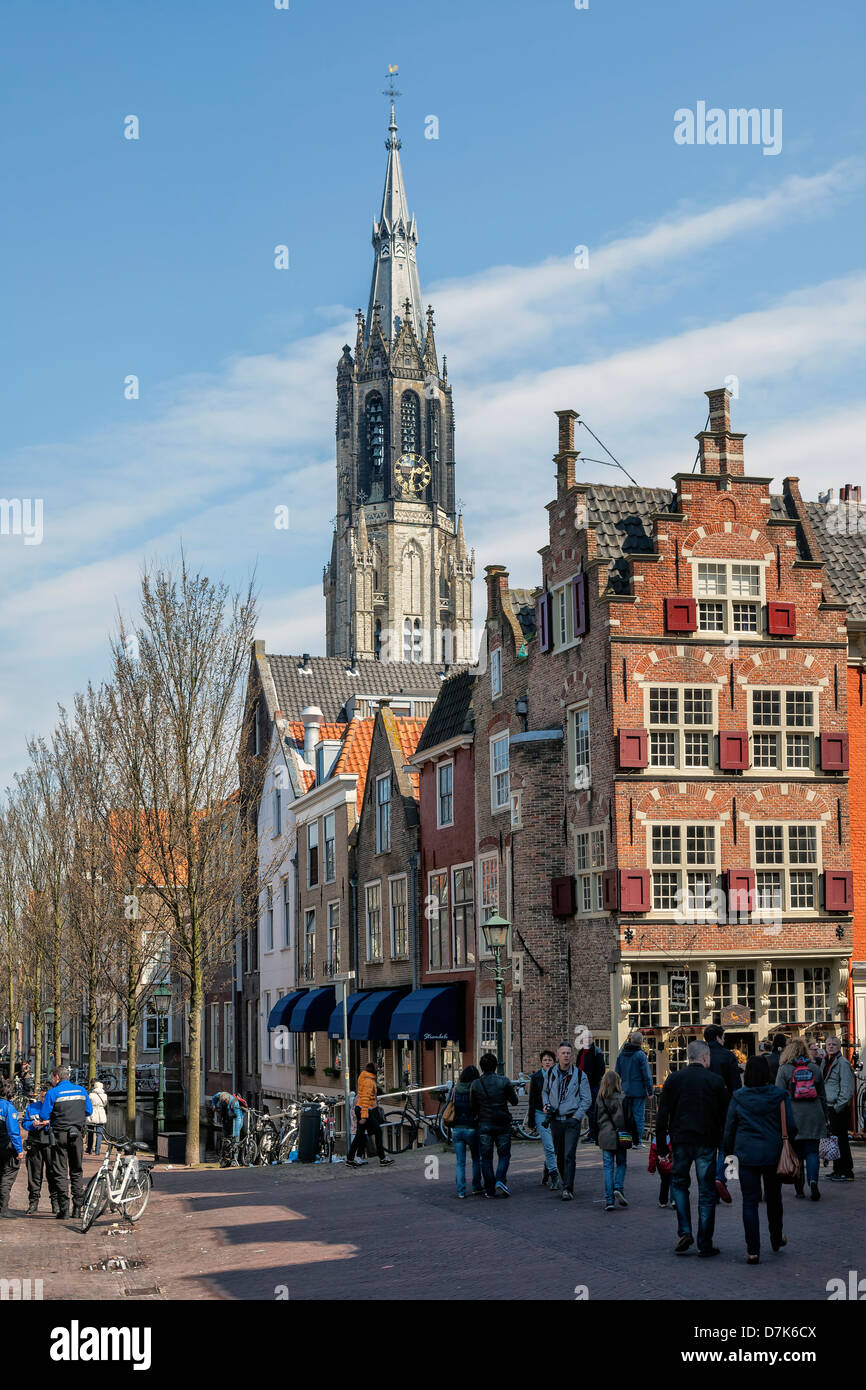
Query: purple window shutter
{"points": [[580, 596], [834, 752], [544, 614]]}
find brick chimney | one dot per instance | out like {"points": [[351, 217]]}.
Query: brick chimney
{"points": [[849, 493], [496, 577], [721, 451], [567, 454]]}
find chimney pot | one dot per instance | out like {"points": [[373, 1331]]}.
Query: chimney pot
{"points": [[312, 717]]}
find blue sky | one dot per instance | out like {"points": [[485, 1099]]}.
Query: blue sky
{"points": [[261, 126]]}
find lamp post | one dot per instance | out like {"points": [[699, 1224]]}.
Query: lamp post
{"points": [[496, 935], [160, 1000]]}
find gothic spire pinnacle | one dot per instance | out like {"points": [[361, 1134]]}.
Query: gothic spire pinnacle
{"points": [[461, 539], [362, 532], [395, 241]]}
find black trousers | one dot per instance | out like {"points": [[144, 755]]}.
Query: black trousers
{"points": [[65, 1166], [839, 1126], [369, 1126], [8, 1174], [37, 1163]]}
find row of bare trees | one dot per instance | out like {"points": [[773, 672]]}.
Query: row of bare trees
{"points": [[122, 845]]}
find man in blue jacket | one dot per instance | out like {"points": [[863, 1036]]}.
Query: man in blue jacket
{"points": [[633, 1069], [10, 1146], [66, 1108], [37, 1153]]}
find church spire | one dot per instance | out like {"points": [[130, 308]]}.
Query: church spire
{"points": [[395, 242]]}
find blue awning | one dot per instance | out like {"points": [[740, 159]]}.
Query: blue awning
{"points": [[373, 1015], [426, 1015], [312, 1012], [281, 1012], [335, 1027]]}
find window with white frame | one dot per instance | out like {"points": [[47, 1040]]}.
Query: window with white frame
{"points": [[496, 672], [445, 794], [266, 999], [487, 1036], [728, 596], [684, 859], [783, 729], [463, 943], [287, 918], [579, 775], [645, 1002], [589, 863], [333, 939], [383, 814], [214, 1037], [734, 987], [684, 999], [373, 903], [488, 872], [783, 995], [310, 944], [278, 810], [312, 854], [228, 1037], [787, 861], [399, 918], [680, 722], [816, 994], [330, 836], [563, 626], [438, 920], [500, 784], [269, 918]]}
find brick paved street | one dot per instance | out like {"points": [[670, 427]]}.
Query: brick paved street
{"points": [[335, 1233]]}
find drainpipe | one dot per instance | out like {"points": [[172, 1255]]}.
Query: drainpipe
{"points": [[297, 916], [416, 952]]}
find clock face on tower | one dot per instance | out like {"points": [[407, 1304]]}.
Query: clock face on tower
{"points": [[411, 474]]}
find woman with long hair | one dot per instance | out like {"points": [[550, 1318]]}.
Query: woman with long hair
{"points": [[799, 1076], [610, 1122], [464, 1133]]}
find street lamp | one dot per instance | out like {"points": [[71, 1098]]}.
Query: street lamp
{"points": [[496, 935], [160, 1000]]}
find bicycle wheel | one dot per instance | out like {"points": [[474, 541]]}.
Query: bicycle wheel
{"points": [[137, 1195], [399, 1132], [287, 1144], [95, 1200], [525, 1132], [109, 1081], [247, 1150], [266, 1145]]}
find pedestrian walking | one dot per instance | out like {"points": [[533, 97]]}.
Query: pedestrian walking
{"points": [[664, 1167], [491, 1096], [229, 1114], [590, 1059], [37, 1152], [464, 1132], [567, 1098], [28, 1083], [535, 1119], [800, 1078], [753, 1133], [66, 1107], [633, 1069], [610, 1126], [724, 1064], [99, 1117], [839, 1089], [780, 1042], [367, 1117], [10, 1144], [691, 1114]]}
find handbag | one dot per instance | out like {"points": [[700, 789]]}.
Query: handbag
{"points": [[623, 1136], [450, 1112], [828, 1149], [788, 1167]]}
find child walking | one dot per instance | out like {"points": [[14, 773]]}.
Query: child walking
{"points": [[610, 1122]]}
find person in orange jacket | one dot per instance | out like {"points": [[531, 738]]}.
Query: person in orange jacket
{"points": [[366, 1114]]}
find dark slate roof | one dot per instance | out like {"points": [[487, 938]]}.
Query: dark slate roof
{"points": [[622, 518], [330, 686], [452, 713], [841, 534], [523, 608]]}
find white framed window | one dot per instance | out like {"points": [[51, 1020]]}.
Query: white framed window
{"points": [[312, 854], [334, 967], [463, 913], [228, 1037], [500, 782], [787, 860], [487, 1037], [399, 917], [373, 910], [329, 823], [684, 864], [278, 812], [563, 615], [309, 967], [266, 1013], [488, 878], [287, 914], [580, 765], [680, 721], [383, 814], [445, 794], [438, 918], [214, 1037], [590, 860], [729, 595], [784, 728], [496, 673]]}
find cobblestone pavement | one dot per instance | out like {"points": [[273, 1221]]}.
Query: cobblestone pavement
{"points": [[319, 1232]]}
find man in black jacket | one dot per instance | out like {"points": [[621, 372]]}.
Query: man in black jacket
{"points": [[590, 1061], [692, 1110], [724, 1064], [490, 1097]]}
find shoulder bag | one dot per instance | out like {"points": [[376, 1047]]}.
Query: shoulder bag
{"points": [[623, 1136], [788, 1167], [450, 1111]]}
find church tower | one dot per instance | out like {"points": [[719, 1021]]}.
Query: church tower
{"points": [[399, 582]]}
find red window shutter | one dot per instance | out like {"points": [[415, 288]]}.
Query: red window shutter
{"points": [[563, 896], [782, 619], [838, 890], [681, 614], [740, 890], [609, 897], [733, 751], [834, 752], [634, 890], [632, 748], [580, 596], [544, 621]]}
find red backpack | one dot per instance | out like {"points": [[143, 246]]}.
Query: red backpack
{"points": [[802, 1084]]}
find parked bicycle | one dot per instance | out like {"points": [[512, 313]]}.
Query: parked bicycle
{"points": [[401, 1128], [125, 1184]]}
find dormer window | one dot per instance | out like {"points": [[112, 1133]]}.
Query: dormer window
{"points": [[729, 596]]}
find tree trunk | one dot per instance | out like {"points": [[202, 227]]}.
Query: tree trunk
{"points": [[10, 1000], [131, 1053], [56, 1056], [196, 1003], [92, 1028], [36, 1011]]}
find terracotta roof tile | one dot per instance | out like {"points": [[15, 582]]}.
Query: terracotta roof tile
{"points": [[354, 756]]}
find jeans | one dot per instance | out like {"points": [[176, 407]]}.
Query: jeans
{"points": [[488, 1135], [546, 1143], [94, 1132], [750, 1186], [614, 1172], [464, 1139], [637, 1105], [565, 1136], [704, 1159], [807, 1150], [839, 1126]]}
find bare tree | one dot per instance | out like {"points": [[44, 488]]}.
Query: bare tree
{"points": [[10, 925], [54, 825]]}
